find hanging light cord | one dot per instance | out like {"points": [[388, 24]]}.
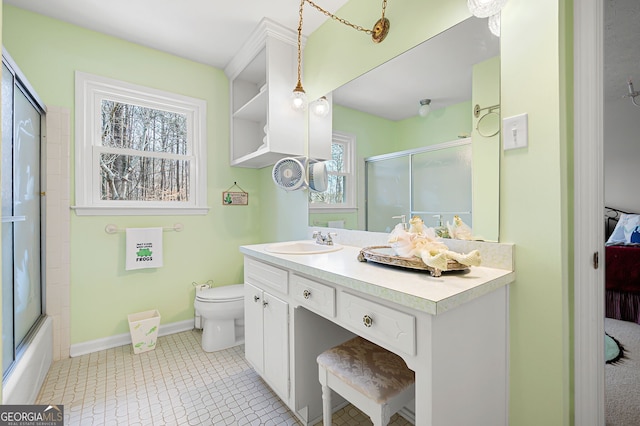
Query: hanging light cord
{"points": [[378, 33], [299, 85]]}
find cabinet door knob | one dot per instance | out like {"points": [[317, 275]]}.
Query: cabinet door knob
{"points": [[265, 304], [367, 321], [306, 294], [256, 298]]}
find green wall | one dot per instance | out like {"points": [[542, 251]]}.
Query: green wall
{"points": [[48, 52], [535, 189]]}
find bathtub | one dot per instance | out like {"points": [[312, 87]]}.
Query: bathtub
{"points": [[24, 382]]}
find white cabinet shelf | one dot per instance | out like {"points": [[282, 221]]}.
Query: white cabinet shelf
{"points": [[262, 76], [254, 110]]}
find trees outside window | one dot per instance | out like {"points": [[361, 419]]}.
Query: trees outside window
{"points": [[138, 150]]}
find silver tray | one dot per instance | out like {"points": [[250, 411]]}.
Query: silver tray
{"points": [[386, 256]]}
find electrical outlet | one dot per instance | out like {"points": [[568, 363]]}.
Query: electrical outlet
{"points": [[515, 132]]}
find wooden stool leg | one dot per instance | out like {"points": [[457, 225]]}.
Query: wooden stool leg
{"points": [[326, 405]]}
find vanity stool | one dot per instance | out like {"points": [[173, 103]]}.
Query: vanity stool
{"points": [[373, 379]]}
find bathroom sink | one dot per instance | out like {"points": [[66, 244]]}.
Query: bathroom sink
{"points": [[301, 247]]}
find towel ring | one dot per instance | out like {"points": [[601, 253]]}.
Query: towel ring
{"points": [[492, 110]]}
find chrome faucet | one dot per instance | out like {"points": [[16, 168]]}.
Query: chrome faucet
{"points": [[322, 239]]}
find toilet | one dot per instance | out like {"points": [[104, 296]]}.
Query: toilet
{"points": [[222, 313]]}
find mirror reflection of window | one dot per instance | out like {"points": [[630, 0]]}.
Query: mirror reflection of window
{"points": [[341, 171]]}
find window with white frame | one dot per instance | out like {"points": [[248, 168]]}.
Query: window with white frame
{"points": [[138, 150], [341, 190]]}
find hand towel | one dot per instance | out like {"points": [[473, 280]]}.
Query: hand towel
{"points": [[143, 248]]}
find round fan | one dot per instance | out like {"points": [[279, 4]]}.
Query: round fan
{"points": [[318, 178], [289, 174]]}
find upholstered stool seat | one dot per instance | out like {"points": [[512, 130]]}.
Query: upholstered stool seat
{"points": [[373, 379]]}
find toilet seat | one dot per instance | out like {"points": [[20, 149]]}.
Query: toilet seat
{"points": [[227, 293]]}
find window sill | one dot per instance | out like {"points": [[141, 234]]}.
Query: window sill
{"points": [[139, 211]]}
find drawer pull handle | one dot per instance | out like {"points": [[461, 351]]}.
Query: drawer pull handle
{"points": [[367, 321], [256, 298], [306, 294]]}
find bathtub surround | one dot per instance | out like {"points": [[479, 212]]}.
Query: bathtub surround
{"points": [[29, 373], [58, 236]]}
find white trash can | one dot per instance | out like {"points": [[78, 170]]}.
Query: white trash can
{"points": [[143, 327]]}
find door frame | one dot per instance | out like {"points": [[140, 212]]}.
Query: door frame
{"points": [[588, 213]]}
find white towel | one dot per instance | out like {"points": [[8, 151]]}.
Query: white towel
{"points": [[143, 248]]}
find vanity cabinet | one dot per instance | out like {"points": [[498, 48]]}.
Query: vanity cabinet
{"points": [[457, 347], [262, 75], [267, 325]]}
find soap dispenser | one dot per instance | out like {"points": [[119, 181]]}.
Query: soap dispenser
{"points": [[441, 231], [403, 218]]}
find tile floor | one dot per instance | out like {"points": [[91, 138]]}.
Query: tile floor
{"points": [[175, 384]]}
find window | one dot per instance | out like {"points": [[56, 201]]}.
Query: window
{"points": [[138, 150], [341, 192]]}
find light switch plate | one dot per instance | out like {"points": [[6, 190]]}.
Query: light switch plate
{"points": [[515, 132]]}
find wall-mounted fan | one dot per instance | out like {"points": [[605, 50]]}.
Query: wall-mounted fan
{"points": [[292, 173], [289, 173], [318, 179]]}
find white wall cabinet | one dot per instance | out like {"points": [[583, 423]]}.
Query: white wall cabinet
{"points": [[262, 75]]}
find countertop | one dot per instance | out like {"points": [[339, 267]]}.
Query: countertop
{"points": [[414, 289]]}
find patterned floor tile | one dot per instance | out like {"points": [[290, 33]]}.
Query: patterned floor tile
{"points": [[175, 384]]}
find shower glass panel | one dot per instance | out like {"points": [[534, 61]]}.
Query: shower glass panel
{"points": [[7, 214], [433, 183], [387, 192], [27, 296], [441, 185], [22, 305]]}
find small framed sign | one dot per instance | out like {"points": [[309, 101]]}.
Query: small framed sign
{"points": [[235, 198]]}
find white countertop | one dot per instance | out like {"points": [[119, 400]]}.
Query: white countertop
{"points": [[414, 289]]}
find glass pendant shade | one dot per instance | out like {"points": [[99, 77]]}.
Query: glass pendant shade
{"points": [[485, 8], [321, 107], [494, 24], [299, 99]]}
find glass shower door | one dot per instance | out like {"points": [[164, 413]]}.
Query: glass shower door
{"points": [[387, 192], [21, 217], [441, 185]]}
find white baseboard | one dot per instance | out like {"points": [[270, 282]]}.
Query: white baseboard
{"points": [[125, 339]]}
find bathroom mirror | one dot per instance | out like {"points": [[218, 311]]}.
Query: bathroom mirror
{"points": [[456, 70]]}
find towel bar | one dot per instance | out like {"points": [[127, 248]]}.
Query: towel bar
{"points": [[112, 229]]}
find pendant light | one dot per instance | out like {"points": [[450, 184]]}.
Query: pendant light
{"points": [[378, 33]]}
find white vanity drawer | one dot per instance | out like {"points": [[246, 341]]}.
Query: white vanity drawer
{"points": [[264, 275], [379, 323], [314, 295]]}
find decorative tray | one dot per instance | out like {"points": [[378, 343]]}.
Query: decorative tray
{"points": [[385, 255]]}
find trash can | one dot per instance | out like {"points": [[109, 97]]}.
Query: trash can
{"points": [[143, 327]]}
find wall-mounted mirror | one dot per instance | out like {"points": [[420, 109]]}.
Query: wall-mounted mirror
{"points": [[456, 70]]}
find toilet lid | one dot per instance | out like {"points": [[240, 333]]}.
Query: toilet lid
{"points": [[222, 294]]}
